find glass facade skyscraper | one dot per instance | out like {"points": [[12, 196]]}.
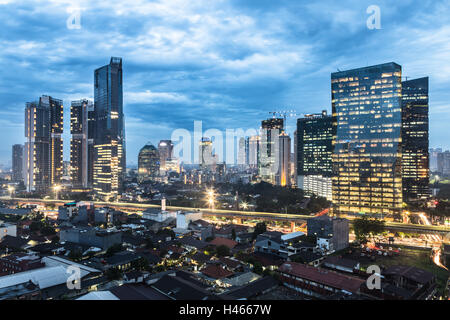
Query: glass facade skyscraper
{"points": [[415, 152], [81, 144], [315, 135], [148, 163], [269, 149], [367, 158], [109, 131], [17, 162], [43, 151]]}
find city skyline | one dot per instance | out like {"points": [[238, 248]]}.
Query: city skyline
{"points": [[286, 65]]}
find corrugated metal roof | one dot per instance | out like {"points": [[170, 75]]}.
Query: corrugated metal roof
{"points": [[43, 277]]}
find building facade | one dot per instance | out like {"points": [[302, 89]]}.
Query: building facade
{"points": [[17, 162], [415, 153], [43, 151], [206, 158], [148, 163], [284, 159], [82, 143], [315, 135], [165, 149], [253, 151], [109, 132], [269, 149], [367, 160]]}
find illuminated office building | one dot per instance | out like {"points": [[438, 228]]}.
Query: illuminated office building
{"points": [[284, 160], [109, 132], [269, 149], [367, 159], [315, 134], [148, 163], [415, 153], [17, 162], [82, 143], [43, 151], [165, 148]]}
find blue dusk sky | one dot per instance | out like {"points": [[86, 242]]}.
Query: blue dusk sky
{"points": [[226, 63]]}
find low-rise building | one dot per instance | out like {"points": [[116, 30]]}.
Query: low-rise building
{"points": [[19, 262], [91, 237], [318, 282], [6, 229], [332, 233]]}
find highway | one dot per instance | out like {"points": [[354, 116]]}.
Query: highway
{"points": [[297, 218]]}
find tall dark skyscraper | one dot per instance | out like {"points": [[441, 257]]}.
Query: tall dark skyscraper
{"points": [[165, 149], [415, 152], [43, 151], [109, 132], [367, 158], [81, 144], [269, 149], [315, 134], [17, 162], [148, 163]]}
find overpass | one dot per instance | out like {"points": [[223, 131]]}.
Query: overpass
{"points": [[268, 216]]}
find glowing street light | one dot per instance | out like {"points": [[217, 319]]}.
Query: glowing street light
{"points": [[211, 198], [11, 189], [56, 188], [244, 205]]}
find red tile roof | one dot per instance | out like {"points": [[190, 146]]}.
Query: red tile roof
{"points": [[224, 242], [216, 271], [329, 278]]}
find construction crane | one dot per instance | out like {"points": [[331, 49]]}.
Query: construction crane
{"points": [[294, 114], [284, 115]]}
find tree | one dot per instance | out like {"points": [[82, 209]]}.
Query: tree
{"points": [[257, 267], [113, 274], [233, 234], [259, 228], [223, 251], [366, 227], [113, 249]]}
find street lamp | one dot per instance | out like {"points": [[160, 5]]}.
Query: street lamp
{"points": [[11, 190], [56, 188], [211, 198], [244, 205]]}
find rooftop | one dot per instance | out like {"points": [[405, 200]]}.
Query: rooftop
{"points": [[325, 277]]}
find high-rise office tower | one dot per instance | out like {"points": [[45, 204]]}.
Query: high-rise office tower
{"points": [[17, 162], [253, 151], [43, 151], [433, 159], [315, 134], [367, 160], [443, 163], [109, 132], [415, 154], [242, 153], [148, 163], [82, 143], [165, 148], [206, 158], [284, 160], [56, 141], [269, 149]]}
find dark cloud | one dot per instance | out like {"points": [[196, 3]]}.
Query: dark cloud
{"points": [[227, 63]]}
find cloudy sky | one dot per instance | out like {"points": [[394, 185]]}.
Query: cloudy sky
{"points": [[226, 63]]}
